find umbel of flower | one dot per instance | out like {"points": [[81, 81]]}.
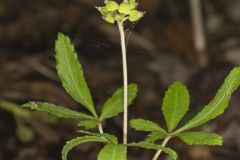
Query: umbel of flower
{"points": [[113, 12]]}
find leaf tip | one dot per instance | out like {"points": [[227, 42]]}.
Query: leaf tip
{"points": [[31, 105], [60, 35]]}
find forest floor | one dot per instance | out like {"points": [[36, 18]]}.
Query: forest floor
{"points": [[160, 51]]}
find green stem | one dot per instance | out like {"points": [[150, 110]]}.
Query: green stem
{"points": [[14, 109], [125, 82], [157, 154], [100, 128]]}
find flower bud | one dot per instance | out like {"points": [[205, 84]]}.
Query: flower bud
{"points": [[109, 18], [124, 8], [119, 17], [111, 6], [135, 15], [133, 4], [102, 10]]}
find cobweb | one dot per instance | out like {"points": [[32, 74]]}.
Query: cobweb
{"points": [[129, 30]]}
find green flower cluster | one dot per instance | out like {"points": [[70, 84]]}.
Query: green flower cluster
{"points": [[113, 12]]}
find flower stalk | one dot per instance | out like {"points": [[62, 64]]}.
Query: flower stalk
{"points": [[125, 82], [113, 12]]}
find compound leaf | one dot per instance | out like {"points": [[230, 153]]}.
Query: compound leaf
{"points": [[113, 151], [79, 140], [201, 138], [71, 74], [147, 145], [146, 125], [175, 104], [56, 110], [220, 102], [114, 105]]}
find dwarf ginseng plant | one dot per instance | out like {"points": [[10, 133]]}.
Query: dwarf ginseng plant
{"points": [[175, 103]]}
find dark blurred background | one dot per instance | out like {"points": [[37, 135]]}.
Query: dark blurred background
{"points": [[161, 49]]}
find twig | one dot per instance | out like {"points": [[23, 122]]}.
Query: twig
{"points": [[199, 35]]}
